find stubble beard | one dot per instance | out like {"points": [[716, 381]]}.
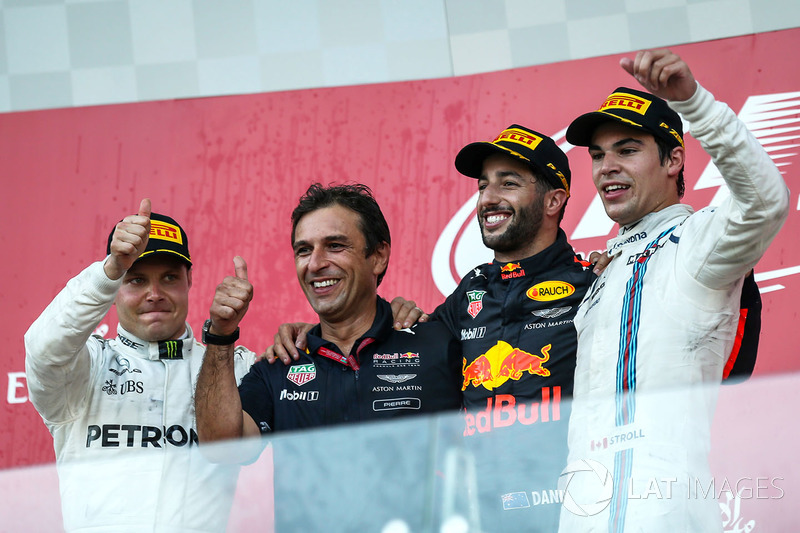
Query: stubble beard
{"points": [[519, 233]]}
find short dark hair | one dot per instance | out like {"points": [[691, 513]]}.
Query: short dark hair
{"points": [[356, 197], [664, 153], [543, 186]]}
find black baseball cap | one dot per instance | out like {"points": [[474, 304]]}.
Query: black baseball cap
{"points": [[166, 237], [637, 109], [537, 150]]}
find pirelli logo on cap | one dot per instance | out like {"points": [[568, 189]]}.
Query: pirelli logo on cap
{"points": [[672, 132], [560, 176], [165, 231], [626, 101], [520, 137]]}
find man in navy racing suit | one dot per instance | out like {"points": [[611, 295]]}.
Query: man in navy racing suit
{"points": [[514, 317]]}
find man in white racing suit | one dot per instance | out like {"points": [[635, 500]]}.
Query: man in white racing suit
{"points": [[655, 328], [121, 411]]}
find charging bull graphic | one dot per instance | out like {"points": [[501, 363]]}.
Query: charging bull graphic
{"points": [[503, 362]]}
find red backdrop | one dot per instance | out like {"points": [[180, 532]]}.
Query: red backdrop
{"points": [[230, 170]]}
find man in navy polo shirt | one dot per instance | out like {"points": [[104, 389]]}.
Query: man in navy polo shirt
{"points": [[356, 366]]}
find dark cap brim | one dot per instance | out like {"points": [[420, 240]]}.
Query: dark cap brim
{"points": [[170, 253], [580, 132], [469, 160]]}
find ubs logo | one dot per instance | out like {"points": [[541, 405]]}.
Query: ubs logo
{"points": [[128, 386]]}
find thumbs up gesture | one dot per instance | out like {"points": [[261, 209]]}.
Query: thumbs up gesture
{"points": [[129, 241], [231, 300]]}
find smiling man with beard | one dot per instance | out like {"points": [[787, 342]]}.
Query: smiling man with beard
{"points": [[514, 318]]}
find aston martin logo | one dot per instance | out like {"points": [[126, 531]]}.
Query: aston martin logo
{"points": [[551, 313], [396, 378]]}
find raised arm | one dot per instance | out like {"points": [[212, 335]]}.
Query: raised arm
{"points": [[217, 403], [58, 359], [738, 232]]}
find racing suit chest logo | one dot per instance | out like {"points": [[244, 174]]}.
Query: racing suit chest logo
{"points": [[475, 302], [547, 291], [501, 363], [302, 374], [512, 270]]}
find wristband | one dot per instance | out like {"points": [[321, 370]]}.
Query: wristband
{"points": [[219, 340]]}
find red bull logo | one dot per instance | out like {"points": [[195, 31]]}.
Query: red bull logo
{"points": [[409, 355], [501, 363], [503, 410], [510, 267], [511, 270]]}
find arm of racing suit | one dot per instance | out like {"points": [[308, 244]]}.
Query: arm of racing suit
{"points": [[58, 349], [447, 313], [743, 226]]}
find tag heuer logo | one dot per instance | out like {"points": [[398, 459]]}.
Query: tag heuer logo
{"points": [[302, 374], [475, 299]]}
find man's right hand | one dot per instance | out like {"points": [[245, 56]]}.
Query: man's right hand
{"points": [[129, 241], [231, 300], [599, 261], [217, 403], [289, 339], [405, 313]]}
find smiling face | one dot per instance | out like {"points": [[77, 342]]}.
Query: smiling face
{"points": [[153, 301], [338, 279], [510, 207], [629, 175]]}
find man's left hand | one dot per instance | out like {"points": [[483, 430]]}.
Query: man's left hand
{"points": [[231, 300]]}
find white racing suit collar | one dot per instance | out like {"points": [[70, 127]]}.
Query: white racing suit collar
{"points": [[129, 344], [639, 230]]}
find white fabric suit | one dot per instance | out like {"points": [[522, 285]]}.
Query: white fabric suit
{"points": [[654, 332], [121, 413]]}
